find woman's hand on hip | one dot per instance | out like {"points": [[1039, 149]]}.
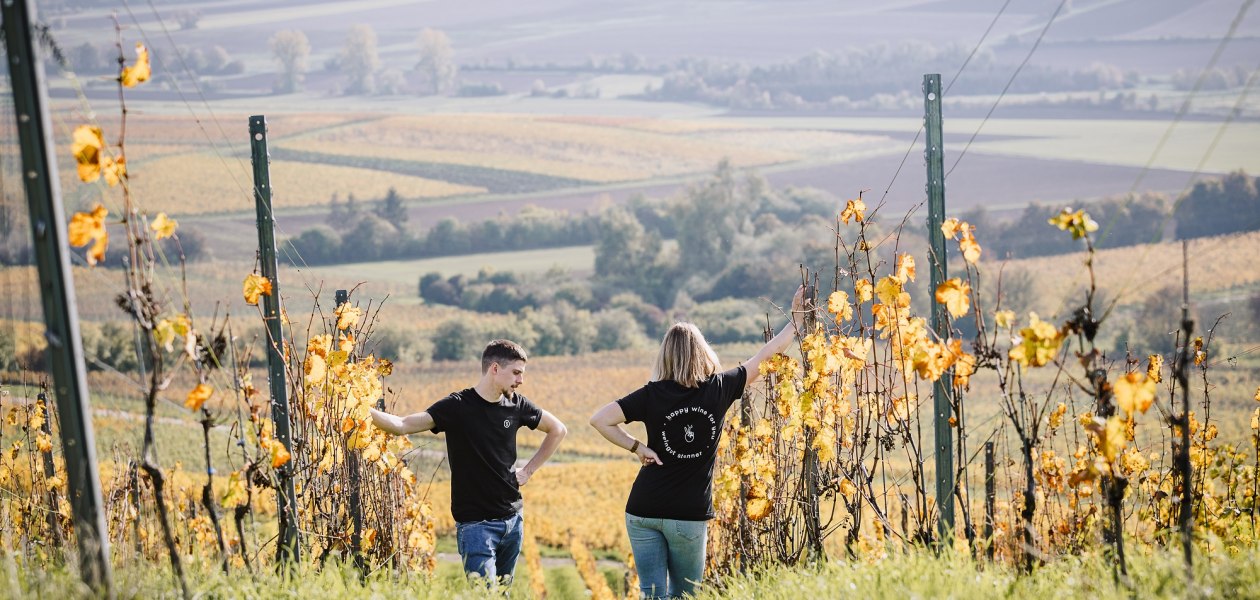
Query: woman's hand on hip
{"points": [[647, 455]]}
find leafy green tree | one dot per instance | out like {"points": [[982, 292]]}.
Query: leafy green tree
{"points": [[316, 246], [359, 60], [708, 221], [1219, 206], [454, 340], [392, 210], [630, 258], [372, 238], [437, 60], [617, 329], [448, 237], [291, 50]]}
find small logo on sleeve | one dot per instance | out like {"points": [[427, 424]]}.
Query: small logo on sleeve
{"points": [[507, 423]]}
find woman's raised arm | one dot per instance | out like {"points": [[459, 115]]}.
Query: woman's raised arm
{"points": [[778, 343]]}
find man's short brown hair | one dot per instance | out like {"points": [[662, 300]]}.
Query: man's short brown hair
{"points": [[502, 352]]}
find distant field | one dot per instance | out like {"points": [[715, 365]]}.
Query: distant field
{"points": [[577, 259], [574, 150], [195, 184]]}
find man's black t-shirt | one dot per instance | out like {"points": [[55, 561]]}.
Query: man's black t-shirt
{"points": [[683, 425], [481, 445]]}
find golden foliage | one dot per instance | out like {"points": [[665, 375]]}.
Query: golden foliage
{"points": [[1039, 343], [1078, 223], [163, 226], [854, 210], [88, 228], [255, 285], [140, 71], [1134, 393], [595, 582], [198, 396], [955, 294]]}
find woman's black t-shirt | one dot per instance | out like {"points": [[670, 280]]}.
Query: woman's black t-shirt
{"points": [[683, 426], [481, 446]]}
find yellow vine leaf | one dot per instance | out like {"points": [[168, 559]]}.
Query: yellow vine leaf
{"points": [[315, 369], [90, 156], [1004, 318], [1154, 363], [1110, 437], [88, 228], [1134, 393], [347, 316], [255, 285], [384, 368], [970, 248], [847, 488], [279, 455], [888, 290], [964, 367], [853, 210], [198, 396], [905, 268], [163, 226], [1078, 223], [88, 147], [758, 508], [236, 494], [36, 420], [1039, 342], [1199, 354], [864, 290], [954, 294], [43, 442], [139, 72], [950, 227], [1258, 394], [1056, 416], [838, 304]]}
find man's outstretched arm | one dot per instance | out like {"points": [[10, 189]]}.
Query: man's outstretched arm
{"points": [[555, 431], [397, 425]]}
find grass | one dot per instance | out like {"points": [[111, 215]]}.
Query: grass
{"points": [[922, 574], [917, 574]]}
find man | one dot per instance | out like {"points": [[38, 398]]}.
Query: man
{"points": [[480, 425]]}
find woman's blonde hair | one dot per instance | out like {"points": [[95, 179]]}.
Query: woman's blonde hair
{"points": [[685, 356]]}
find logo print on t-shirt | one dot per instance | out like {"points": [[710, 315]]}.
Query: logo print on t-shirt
{"points": [[694, 430], [507, 423]]}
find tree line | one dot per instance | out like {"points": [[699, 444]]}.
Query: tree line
{"points": [[1218, 206]]}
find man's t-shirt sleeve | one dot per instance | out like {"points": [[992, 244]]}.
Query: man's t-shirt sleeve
{"points": [[530, 414], [634, 406], [732, 384], [443, 413]]}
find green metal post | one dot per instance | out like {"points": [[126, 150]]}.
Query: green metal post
{"points": [[61, 321], [289, 548], [935, 155]]}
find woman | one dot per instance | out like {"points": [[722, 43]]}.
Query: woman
{"points": [[683, 407]]}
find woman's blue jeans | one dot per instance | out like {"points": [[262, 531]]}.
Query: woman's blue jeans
{"points": [[668, 554], [489, 548]]}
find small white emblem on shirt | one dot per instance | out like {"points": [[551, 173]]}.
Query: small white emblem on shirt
{"points": [[507, 423]]}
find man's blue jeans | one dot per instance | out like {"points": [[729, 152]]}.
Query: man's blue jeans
{"points": [[489, 548], [668, 554]]}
